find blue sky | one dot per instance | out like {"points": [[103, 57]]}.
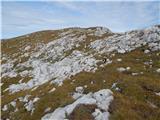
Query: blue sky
{"points": [[20, 18]]}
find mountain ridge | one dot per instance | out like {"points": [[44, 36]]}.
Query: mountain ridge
{"points": [[39, 66], [73, 28]]}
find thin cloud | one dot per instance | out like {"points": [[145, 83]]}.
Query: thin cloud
{"points": [[26, 17]]}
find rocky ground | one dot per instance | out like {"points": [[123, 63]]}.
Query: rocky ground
{"points": [[82, 74]]}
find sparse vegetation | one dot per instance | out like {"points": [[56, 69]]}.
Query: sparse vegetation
{"points": [[135, 99]]}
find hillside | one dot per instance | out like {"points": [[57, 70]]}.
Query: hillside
{"points": [[82, 74]]}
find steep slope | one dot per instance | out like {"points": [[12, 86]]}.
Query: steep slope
{"points": [[40, 72]]}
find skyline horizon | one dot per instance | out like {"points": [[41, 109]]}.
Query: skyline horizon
{"points": [[20, 18], [77, 27]]}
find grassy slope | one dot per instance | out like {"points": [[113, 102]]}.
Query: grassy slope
{"points": [[132, 102]]}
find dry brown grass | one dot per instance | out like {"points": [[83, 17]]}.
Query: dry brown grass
{"points": [[131, 103]]}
